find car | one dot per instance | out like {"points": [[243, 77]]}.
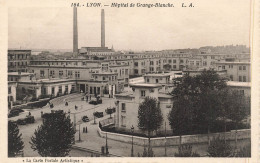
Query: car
{"points": [[98, 114], [96, 101], [85, 119]]}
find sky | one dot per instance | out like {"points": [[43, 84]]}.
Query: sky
{"points": [[208, 23]]}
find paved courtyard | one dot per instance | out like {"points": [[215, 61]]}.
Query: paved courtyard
{"points": [[91, 139]]}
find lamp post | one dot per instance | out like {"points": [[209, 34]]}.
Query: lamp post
{"points": [[132, 150], [165, 138], [79, 133], [106, 145]]}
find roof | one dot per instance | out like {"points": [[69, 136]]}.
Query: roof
{"points": [[104, 73], [17, 74], [240, 63], [238, 84], [145, 85], [157, 75]]}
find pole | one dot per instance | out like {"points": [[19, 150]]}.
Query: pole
{"points": [[75, 121], [132, 150], [79, 133], [106, 145], [165, 138]]}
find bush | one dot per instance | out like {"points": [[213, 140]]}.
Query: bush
{"points": [[245, 151], [220, 148], [186, 151], [30, 119], [21, 122], [13, 114]]}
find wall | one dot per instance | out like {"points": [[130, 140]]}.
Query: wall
{"points": [[175, 140]]}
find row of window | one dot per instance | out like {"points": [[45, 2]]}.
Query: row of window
{"points": [[18, 63], [241, 78], [52, 73]]}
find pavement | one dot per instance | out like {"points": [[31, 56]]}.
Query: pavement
{"points": [[91, 139]]}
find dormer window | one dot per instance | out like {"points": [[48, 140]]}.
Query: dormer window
{"points": [[142, 93]]}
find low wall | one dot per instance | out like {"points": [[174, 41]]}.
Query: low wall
{"points": [[30, 105], [175, 140]]}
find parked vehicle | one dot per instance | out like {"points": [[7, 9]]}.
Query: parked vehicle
{"points": [[96, 101], [85, 119], [98, 114]]}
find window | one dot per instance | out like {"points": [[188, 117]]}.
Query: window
{"points": [[42, 73], [212, 57], [240, 67], [244, 78], [244, 67], [148, 80], [136, 63], [240, 78], [69, 73], [169, 61], [231, 77], [60, 89], [156, 80], [52, 90], [60, 73], [136, 71], [142, 93], [104, 78], [181, 61], [223, 67], [126, 71], [174, 61], [151, 62], [123, 107], [9, 90], [77, 74], [174, 66], [123, 124]]}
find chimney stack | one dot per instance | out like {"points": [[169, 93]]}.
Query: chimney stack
{"points": [[75, 31], [102, 28]]}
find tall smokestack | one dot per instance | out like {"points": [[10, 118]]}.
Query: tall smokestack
{"points": [[75, 31], [102, 28]]}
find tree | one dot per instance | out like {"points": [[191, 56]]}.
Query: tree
{"points": [[15, 143], [237, 108], [195, 106], [149, 117], [109, 111], [54, 137], [220, 148]]}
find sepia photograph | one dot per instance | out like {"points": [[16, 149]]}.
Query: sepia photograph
{"points": [[133, 79]]}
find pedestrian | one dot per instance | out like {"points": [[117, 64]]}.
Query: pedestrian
{"points": [[29, 113], [66, 103], [86, 130], [76, 107], [89, 97]]}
